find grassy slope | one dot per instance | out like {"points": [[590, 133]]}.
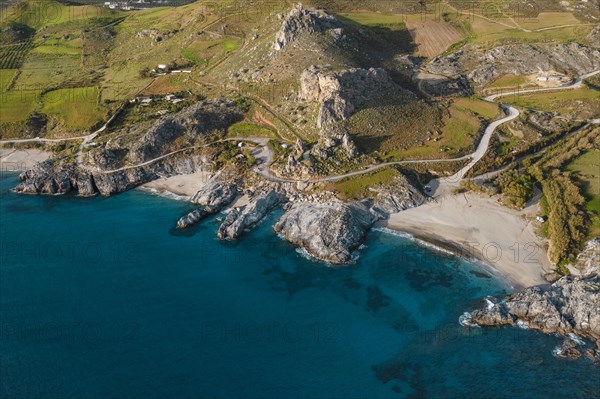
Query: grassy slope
{"points": [[76, 108], [587, 169], [583, 103]]}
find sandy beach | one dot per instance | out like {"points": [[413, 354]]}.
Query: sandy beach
{"points": [[479, 227], [18, 160], [184, 187], [181, 185]]}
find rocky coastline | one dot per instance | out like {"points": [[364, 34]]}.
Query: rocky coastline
{"points": [[569, 307]]}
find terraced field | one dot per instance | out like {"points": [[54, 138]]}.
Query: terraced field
{"points": [[433, 37], [12, 56]]}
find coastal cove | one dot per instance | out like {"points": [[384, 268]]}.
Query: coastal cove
{"points": [[104, 292]]}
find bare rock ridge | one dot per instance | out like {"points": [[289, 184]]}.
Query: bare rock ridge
{"points": [[329, 231], [301, 20], [522, 59], [192, 123], [569, 306]]}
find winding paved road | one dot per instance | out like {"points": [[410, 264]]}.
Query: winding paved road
{"points": [[446, 183], [265, 155]]}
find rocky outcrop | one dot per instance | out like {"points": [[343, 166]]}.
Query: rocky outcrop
{"points": [[301, 20], [400, 195], [194, 122], [192, 218], [63, 176], [333, 137], [588, 261], [236, 221], [569, 306], [328, 231], [216, 194], [341, 93], [482, 67], [594, 37], [457, 87], [112, 168]]}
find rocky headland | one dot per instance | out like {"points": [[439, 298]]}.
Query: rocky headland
{"points": [[569, 307]]}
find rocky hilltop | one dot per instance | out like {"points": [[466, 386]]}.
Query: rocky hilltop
{"points": [[482, 67], [301, 20]]}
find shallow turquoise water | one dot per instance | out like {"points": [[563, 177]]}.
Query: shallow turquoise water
{"points": [[100, 298]]}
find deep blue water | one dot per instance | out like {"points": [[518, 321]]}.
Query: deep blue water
{"points": [[100, 298]]}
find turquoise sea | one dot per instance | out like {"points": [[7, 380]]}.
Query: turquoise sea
{"points": [[101, 298]]}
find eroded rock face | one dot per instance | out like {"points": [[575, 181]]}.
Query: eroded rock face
{"points": [[341, 93], [594, 37], [329, 231], [570, 305], [301, 20], [237, 222], [483, 67]]}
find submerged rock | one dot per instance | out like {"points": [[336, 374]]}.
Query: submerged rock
{"points": [[329, 231], [237, 221], [192, 218]]}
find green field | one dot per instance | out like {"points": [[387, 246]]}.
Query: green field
{"points": [[59, 46], [17, 105], [246, 129], [487, 32], [6, 76], [357, 187], [373, 19], [587, 169], [75, 108], [583, 103], [508, 81]]}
